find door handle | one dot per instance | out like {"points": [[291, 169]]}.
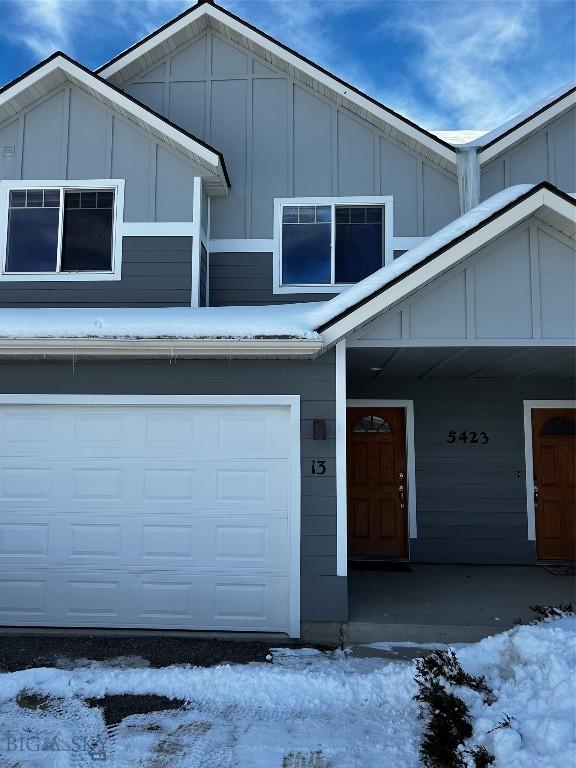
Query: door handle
{"points": [[536, 494], [401, 494]]}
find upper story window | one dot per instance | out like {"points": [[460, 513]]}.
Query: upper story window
{"points": [[328, 245], [60, 232]]}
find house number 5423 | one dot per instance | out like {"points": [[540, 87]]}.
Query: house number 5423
{"points": [[468, 437], [318, 467]]}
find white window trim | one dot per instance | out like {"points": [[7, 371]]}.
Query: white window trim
{"points": [[290, 401], [408, 406], [386, 201], [529, 406], [117, 185]]}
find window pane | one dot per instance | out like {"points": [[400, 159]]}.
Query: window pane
{"points": [[323, 213], [87, 236], [359, 246], [307, 214], [32, 239], [290, 214], [34, 198], [305, 254], [17, 198], [51, 198]]}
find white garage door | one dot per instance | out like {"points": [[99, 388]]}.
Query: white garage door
{"points": [[164, 516]]}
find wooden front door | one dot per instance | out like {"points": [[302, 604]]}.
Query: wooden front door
{"points": [[554, 451], [377, 496]]}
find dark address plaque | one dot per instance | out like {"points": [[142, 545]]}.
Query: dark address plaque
{"points": [[467, 436]]}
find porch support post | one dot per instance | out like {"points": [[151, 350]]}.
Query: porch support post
{"points": [[341, 486]]}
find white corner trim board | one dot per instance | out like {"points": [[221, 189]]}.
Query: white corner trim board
{"points": [[529, 406], [341, 463], [196, 242], [117, 185], [408, 406]]}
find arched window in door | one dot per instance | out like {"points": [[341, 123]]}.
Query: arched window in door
{"points": [[372, 424], [558, 426]]}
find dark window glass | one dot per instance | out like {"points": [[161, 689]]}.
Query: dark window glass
{"points": [[559, 426], [290, 214], [372, 424], [32, 243], [359, 243], [87, 235], [306, 254]]}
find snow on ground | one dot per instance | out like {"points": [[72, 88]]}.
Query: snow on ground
{"points": [[306, 709]]}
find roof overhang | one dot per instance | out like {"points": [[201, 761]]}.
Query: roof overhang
{"points": [[206, 14], [525, 126], [59, 69], [553, 207], [159, 348]]}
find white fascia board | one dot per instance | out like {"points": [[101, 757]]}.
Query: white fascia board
{"points": [[75, 73], [295, 61], [524, 130], [160, 348], [428, 271]]}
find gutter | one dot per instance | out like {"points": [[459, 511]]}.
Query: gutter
{"points": [[228, 349]]}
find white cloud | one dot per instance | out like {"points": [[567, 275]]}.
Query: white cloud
{"points": [[465, 64], [480, 63]]}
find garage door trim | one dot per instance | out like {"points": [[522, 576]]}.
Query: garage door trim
{"points": [[290, 401]]}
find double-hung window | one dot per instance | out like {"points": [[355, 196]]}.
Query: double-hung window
{"points": [[331, 244], [53, 231]]}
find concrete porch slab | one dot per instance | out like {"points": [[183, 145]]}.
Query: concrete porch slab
{"points": [[441, 603]]}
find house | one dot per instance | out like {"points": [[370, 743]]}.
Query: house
{"points": [[254, 323]]}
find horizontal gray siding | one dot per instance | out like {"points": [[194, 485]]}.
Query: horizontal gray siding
{"points": [[247, 278], [203, 276], [471, 499], [156, 272], [314, 381]]}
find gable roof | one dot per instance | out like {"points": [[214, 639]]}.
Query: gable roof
{"points": [[60, 68], [367, 299], [206, 13], [519, 127]]}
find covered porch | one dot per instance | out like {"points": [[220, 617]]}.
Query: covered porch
{"points": [[445, 458]]}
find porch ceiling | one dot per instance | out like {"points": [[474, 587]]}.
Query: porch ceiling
{"points": [[461, 362]]}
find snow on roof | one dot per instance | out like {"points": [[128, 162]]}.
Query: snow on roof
{"points": [[282, 321], [488, 138], [456, 138], [322, 313], [293, 321]]}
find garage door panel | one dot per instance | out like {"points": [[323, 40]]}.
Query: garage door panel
{"points": [[145, 516], [124, 599], [221, 544], [96, 431]]}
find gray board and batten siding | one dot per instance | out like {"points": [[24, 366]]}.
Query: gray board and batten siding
{"points": [[156, 272], [324, 595], [546, 155], [68, 134], [282, 139], [470, 498], [518, 289]]}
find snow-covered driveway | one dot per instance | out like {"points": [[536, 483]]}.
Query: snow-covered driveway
{"points": [[305, 710]]}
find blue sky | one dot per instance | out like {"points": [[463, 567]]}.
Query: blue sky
{"points": [[446, 65]]}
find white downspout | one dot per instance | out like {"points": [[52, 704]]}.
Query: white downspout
{"points": [[468, 166]]}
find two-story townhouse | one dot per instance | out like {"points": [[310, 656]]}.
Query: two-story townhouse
{"points": [[254, 323]]}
